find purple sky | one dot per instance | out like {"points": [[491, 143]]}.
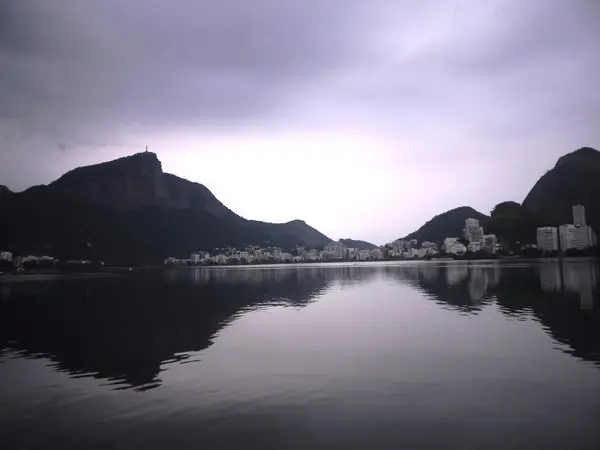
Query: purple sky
{"points": [[363, 118]]}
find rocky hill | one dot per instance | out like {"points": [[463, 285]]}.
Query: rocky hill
{"points": [[575, 179], [130, 211], [448, 224]]}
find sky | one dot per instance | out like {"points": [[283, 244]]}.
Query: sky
{"points": [[365, 119]]}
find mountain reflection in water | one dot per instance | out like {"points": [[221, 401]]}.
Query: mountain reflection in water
{"points": [[125, 331]]}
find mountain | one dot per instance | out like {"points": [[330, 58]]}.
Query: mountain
{"points": [[361, 245], [129, 211], [292, 233], [448, 224], [4, 191], [575, 179]]}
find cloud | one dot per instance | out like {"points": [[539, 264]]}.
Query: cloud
{"points": [[437, 86], [72, 63]]}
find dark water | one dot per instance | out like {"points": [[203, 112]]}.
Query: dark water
{"points": [[478, 356]]}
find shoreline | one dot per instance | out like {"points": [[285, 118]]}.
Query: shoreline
{"points": [[26, 277], [113, 272]]}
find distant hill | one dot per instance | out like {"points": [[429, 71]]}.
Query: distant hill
{"points": [[361, 245], [575, 179], [128, 211], [448, 224]]}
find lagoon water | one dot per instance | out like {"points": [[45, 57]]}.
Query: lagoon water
{"points": [[480, 355]]}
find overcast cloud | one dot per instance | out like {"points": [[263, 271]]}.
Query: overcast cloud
{"points": [[363, 118]]}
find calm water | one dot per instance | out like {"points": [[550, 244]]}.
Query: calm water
{"points": [[428, 355]]}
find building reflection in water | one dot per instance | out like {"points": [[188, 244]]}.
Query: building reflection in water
{"points": [[132, 325], [571, 277]]}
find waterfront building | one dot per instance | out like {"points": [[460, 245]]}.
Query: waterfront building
{"points": [[474, 246], [575, 237], [547, 239], [334, 250]]}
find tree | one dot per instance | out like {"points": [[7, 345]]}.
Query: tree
{"points": [[512, 224]]}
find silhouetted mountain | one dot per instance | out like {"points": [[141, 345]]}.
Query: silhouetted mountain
{"points": [[4, 192], [575, 179], [291, 233], [361, 245], [448, 224], [129, 211]]}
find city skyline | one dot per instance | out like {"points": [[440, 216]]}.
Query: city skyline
{"points": [[283, 110]]}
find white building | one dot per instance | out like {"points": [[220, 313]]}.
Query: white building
{"points": [[221, 259], [572, 236], [376, 254], [6, 256], [547, 239], [413, 252], [195, 258], [334, 250], [474, 246], [477, 235], [363, 255], [592, 236], [399, 246], [451, 245], [490, 243], [312, 255], [579, 215], [472, 227], [449, 242], [458, 249]]}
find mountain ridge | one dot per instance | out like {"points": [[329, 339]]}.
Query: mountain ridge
{"points": [[575, 179], [131, 201]]}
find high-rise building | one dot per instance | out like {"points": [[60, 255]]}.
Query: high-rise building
{"points": [[334, 250], [470, 224], [572, 236], [476, 235], [473, 231], [579, 215], [547, 239]]}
